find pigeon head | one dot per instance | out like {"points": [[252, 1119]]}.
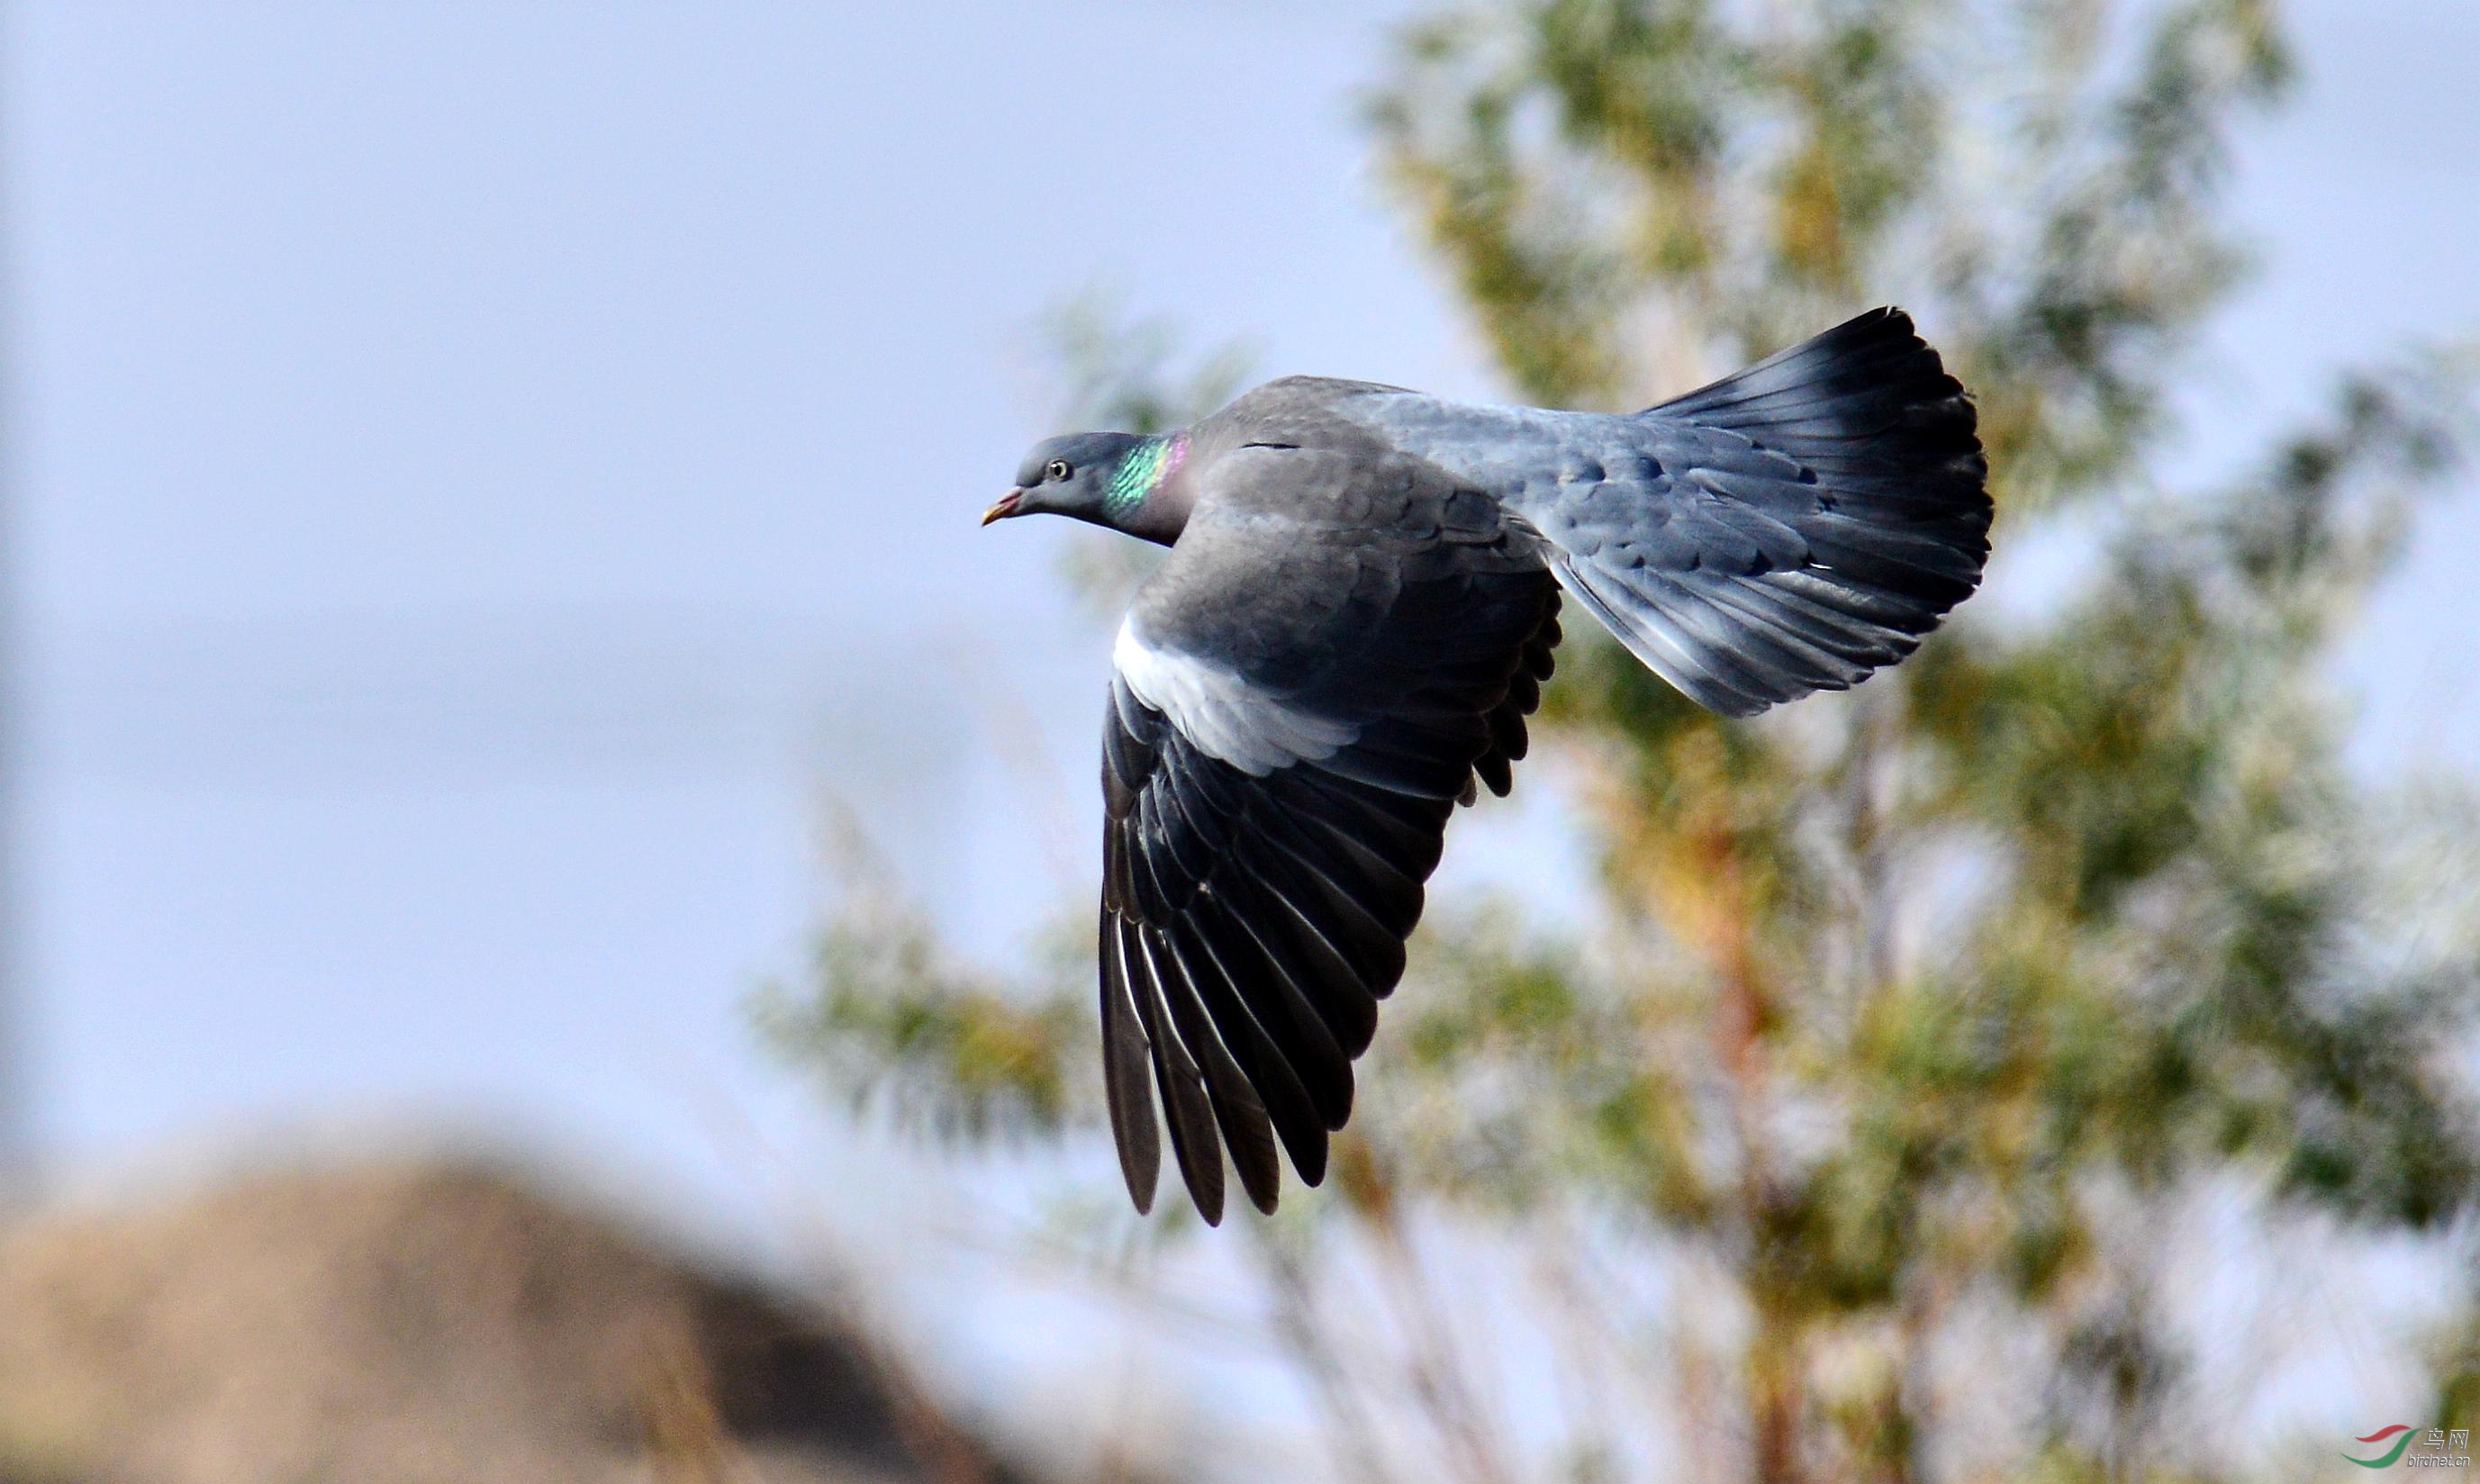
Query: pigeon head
{"points": [[1110, 479]]}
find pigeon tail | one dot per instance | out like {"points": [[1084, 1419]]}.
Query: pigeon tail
{"points": [[1826, 509]]}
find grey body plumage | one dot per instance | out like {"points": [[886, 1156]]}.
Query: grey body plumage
{"points": [[1355, 615]]}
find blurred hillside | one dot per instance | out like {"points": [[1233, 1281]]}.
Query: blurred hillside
{"points": [[421, 1323]]}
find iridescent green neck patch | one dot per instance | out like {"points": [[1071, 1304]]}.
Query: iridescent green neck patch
{"points": [[1141, 471]]}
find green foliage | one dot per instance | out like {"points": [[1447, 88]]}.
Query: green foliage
{"points": [[1906, 1020], [895, 1018]]}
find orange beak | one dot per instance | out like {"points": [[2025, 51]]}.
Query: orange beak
{"points": [[1002, 507]]}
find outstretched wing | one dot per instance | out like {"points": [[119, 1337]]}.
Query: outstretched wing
{"points": [[1294, 715]]}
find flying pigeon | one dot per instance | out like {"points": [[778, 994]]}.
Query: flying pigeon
{"points": [[1356, 616]]}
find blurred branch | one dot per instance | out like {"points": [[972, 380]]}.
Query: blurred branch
{"points": [[893, 1017], [1300, 1328]]}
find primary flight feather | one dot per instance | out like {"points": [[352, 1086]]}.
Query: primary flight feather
{"points": [[1356, 617]]}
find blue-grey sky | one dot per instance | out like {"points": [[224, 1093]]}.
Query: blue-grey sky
{"points": [[485, 468]]}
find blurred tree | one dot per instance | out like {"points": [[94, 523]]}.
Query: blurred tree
{"points": [[1857, 1136]]}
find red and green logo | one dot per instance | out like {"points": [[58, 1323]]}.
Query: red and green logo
{"points": [[2401, 1432]]}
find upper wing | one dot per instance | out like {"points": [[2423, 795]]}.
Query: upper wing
{"points": [[1291, 725]]}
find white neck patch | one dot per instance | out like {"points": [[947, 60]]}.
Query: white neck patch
{"points": [[1218, 712]]}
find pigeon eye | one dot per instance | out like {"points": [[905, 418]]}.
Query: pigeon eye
{"points": [[1056, 469]]}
